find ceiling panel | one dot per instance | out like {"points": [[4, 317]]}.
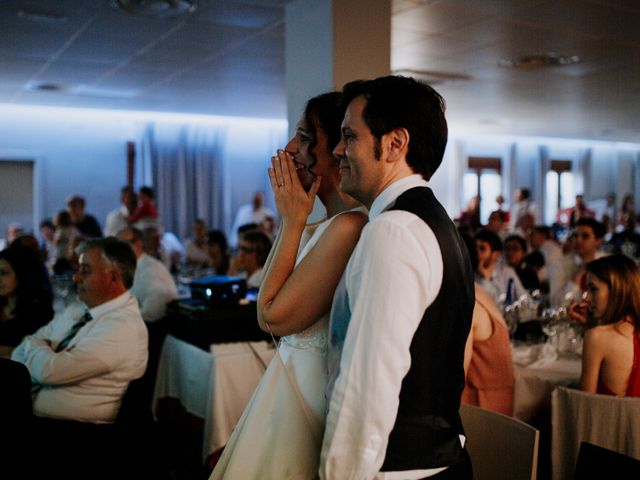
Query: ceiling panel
{"points": [[227, 58]]}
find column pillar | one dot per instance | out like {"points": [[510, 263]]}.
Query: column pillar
{"points": [[331, 42]]}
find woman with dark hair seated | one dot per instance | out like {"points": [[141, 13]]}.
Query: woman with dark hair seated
{"points": [[25, 294], [218, 251], [611, 352], [515, 252]]}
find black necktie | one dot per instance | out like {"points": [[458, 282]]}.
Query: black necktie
{"points": [[35, 386], [72, 333]]}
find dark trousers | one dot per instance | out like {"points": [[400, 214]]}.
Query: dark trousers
{"points": [[77, 450], [459, 471], [15, 418]]}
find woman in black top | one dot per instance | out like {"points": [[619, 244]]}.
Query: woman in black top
{"points": [[26, 296]]}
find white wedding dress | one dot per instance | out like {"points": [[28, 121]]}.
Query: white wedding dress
{"points": [[280, 432]]}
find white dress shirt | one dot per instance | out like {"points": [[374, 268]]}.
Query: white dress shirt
{"points": [[552, 253], [116, 221], [256, 278], [246, 214], [519, 210], [86, 381], [498, 284], [196, 254], [562, 289], [393, 275], [154, 288]]}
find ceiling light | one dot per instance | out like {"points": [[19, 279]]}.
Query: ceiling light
{"points": [[550, 59], [41, 16], [83, 90], [432, 77], [47, 87], [155, 8]]}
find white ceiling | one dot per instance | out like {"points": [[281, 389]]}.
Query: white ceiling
{"points": [[227, 58]]}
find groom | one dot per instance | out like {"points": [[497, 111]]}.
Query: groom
{"points": [[402, 312]]}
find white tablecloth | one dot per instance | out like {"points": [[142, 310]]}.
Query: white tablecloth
{"points": [[213, 385], [536, 376], [238, 369]]}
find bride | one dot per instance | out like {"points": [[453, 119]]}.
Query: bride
{"points": [[280, 432]]}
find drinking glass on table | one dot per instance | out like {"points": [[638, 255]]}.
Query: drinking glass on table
{"points": [[578, 311], [550, 323], [578, 317], [511, 317]]}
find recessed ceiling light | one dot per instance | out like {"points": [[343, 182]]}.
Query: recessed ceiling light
{"points": [[83, 90], [549, 59], [48, 87]]}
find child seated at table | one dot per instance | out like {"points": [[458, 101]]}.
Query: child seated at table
{"points": [[146, 213], [611, 351]]}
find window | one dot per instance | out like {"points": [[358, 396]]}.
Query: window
{"points": [[483, 180], [560, 189]]}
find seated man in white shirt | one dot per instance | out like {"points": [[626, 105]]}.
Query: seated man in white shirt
{"points": [[493, 274], [566, 276], [253, 250], [541, 239], [255, 212], [117, 219], [164, 246], [83, 360], [81, 364], [196, 246], [497, 223], [523, 212], [153, 285]]}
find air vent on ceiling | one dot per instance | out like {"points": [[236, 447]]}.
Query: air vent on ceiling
{"points": [[550, 59], [48, 87], [432, 77], [155, 8], [79, 90]]}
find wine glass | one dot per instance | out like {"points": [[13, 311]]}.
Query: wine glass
{"points": [[511, 317], [550, 323]]}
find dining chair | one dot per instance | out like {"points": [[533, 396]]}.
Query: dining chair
{"points": [[598, 462], [603, 420], [500, 447]]}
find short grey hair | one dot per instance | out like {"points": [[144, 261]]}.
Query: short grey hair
{"points": [[114, 252]]}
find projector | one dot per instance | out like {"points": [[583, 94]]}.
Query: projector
{"points": [[219, 289]]}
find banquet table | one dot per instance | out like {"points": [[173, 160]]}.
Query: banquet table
{"points": [[538, 371], [214, 385]]}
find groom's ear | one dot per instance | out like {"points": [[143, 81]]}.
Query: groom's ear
{"points": [[395, 144]]}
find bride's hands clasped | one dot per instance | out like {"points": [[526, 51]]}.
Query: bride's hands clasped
{"points": [[293, 202]]}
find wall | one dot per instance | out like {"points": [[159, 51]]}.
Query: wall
{"points": [[598, 167], [84, 152]]}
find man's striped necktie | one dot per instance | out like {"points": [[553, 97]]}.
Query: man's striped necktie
{"points": [[64, 343]]}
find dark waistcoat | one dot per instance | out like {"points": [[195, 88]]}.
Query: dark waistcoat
{"points": [[425, 434]]}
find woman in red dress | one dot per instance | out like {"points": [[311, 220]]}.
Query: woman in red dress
{"points": [[611, 353]]}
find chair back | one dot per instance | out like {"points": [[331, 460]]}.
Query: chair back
{"points": [[603, 420], [135, 409], [500, 447], [598, 462]]}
